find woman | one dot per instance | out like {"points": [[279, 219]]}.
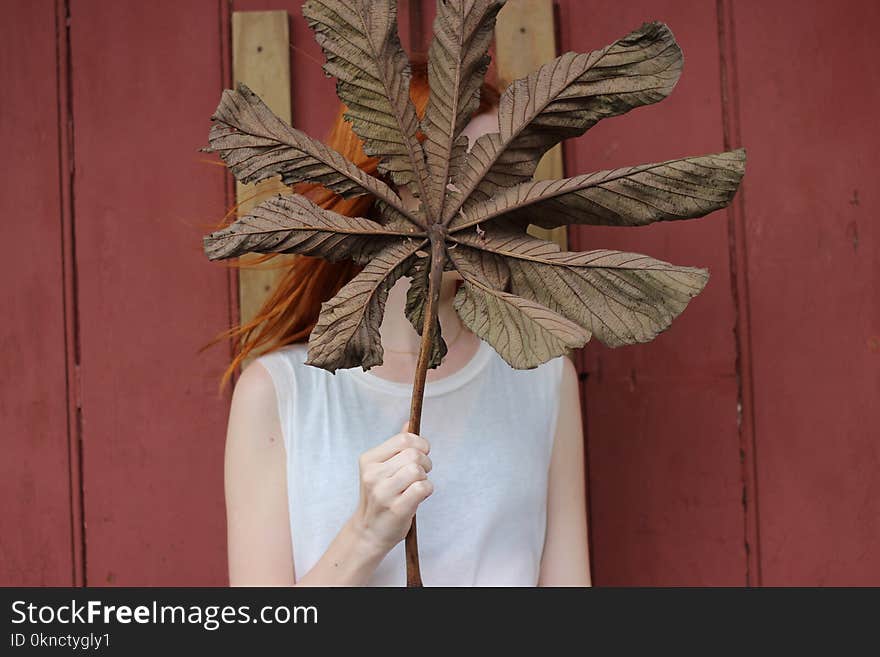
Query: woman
{"points": [[317, 495]]}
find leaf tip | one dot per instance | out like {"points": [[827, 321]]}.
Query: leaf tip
{"points": [[209, 246]]}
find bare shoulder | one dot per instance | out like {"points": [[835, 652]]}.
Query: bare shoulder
{"points": [[569, 375], [254, 409], [254, 387]]}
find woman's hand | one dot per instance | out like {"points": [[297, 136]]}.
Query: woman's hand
{"points": [[394, 481]]}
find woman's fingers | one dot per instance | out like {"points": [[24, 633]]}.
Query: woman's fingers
{"points": [[395, 472], [393, 482], [408, 501], [394, 485], [405, 457], [394, 445]]}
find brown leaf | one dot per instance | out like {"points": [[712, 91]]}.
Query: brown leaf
{"points": [[256, 144], [392, 218], [293, 224], [621, 298], [416, 296], [363, 51], [483, 264], [457, 63], [523, 332], [633, 196], [529, 300], [347, 332], [563, 99]]}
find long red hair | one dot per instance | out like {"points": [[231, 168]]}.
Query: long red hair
{"points": [[290, 313]]}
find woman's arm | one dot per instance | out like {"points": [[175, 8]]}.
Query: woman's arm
{"points": [[257, 518], [393, 484], [565, 561]]}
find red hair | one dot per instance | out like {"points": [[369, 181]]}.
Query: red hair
{"points": [[290, 313]]}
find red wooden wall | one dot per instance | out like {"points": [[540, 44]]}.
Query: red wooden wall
{"points": [[36, 526], [739, 447]]}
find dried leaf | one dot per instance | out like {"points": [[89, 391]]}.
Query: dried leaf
{"points": [[457, 63], [483, 264], [293, 224], [529, 300], [524, 333], [255, 144], [347, 332], [360, 41], [394, 219], [633, 196], [415, 308], [621, 298], [563, 99]]}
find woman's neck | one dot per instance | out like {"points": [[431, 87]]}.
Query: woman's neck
{"points": [[400, 341]]}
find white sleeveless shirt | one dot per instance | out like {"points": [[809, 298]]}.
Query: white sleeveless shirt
{"points": [[491, 430]]}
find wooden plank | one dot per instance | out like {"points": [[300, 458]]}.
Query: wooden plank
{"points": [[35, 518], [260, 59], [813, 269], [145, 79], [525, 38], [315, 108], [663, 441]]}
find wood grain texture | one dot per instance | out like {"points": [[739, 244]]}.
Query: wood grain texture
{"points": [[35, 472], [525, 38], [314, 102], [261, 60]]}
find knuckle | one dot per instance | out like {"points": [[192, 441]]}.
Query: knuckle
{"points": [[369, 475], [377, 495], [415, 470], [411, 454]]}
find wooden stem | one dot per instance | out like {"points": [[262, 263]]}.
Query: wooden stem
{"points": [[435, 277]]}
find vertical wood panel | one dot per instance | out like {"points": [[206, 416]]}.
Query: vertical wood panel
{"points": [[314, 101], [663, 442], [525, 38], [809, 92], [261, 60], [146, 78], [35, 519], [311, 106]]}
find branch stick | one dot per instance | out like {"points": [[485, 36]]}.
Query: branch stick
{"points": [[435, 277]]}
